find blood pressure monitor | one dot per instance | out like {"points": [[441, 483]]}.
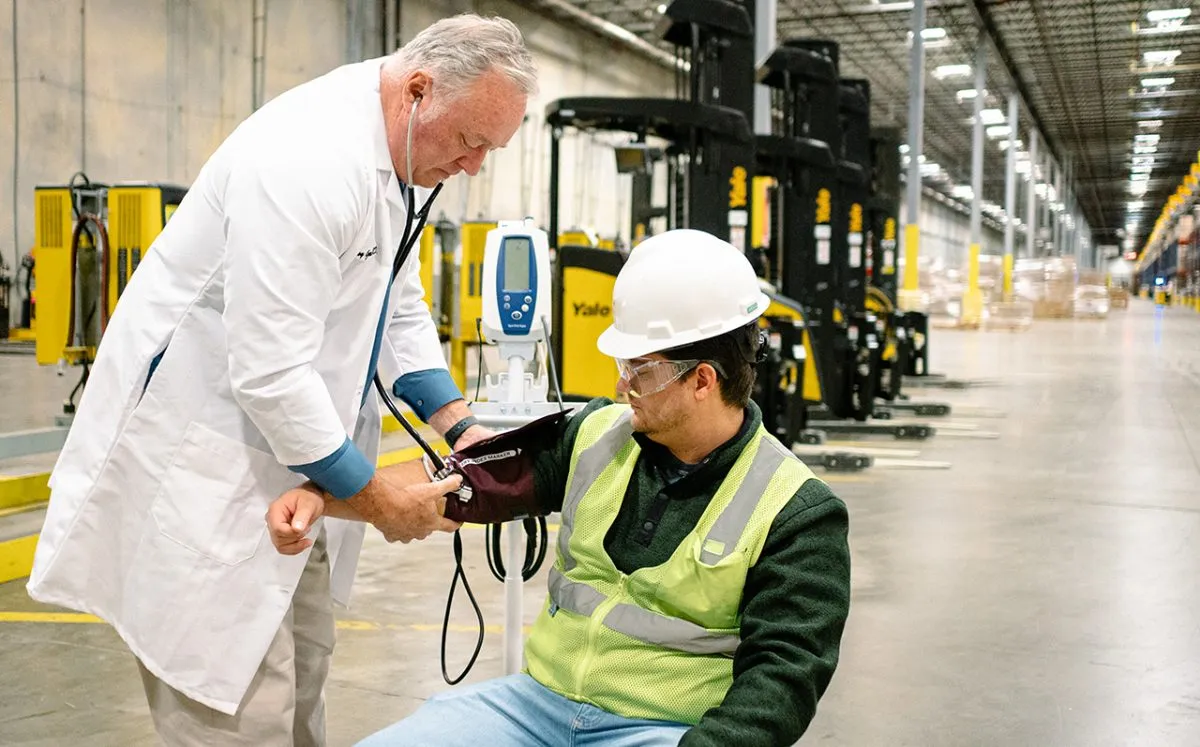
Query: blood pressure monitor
{"points": [[516, 282]]}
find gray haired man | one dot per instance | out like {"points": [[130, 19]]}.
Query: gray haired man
{"points": [[240, 365]]}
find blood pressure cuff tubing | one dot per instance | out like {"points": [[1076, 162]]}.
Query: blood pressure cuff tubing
{"points": [[497, 474]]}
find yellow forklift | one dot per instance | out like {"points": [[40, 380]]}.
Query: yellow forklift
{"points": [[711, 158], [819, 157]]}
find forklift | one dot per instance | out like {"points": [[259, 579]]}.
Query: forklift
{"points": [[905, 348], [818, 211], [711, 158], [708, 155]]}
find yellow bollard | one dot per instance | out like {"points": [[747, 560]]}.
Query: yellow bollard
{"points": [[909, 297], [972, 302], [1008, 271]]}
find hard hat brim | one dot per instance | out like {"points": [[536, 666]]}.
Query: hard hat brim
{"points": [[617, 344]]}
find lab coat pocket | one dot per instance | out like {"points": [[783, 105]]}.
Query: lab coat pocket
{"points": [[211, 499]]}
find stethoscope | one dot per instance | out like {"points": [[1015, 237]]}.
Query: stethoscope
{"points": [[407, 241]]}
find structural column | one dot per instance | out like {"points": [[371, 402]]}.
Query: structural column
{"points": [[1060, 214], [1010, 194], [972, 302], [765, 14], [1031, 221], [909, 295], [1047, 213]]}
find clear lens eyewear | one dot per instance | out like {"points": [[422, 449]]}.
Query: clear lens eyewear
{"points": [[651, 377]]}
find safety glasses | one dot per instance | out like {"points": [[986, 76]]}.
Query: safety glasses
{"points": [[651, 377]]}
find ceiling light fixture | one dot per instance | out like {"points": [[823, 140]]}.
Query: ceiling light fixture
{"points": [[1157, 82], [942, 72], [1161, 57], [1169, 15], [991, 117]]}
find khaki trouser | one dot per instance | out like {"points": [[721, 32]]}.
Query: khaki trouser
{"points": [[285, 704]]}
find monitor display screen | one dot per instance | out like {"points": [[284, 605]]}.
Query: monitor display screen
{"points": [[518, 255]]}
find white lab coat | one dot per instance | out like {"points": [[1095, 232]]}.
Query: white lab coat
{"points": [[265, 290]]}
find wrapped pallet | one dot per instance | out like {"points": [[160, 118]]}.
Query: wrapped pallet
{"points": [[1048, 284], [1091, 296]]}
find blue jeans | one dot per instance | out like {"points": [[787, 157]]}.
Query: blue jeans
{"points": [[517, 711]]}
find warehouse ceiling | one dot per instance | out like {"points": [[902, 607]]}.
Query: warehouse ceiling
{"points": [[1111, 84]]}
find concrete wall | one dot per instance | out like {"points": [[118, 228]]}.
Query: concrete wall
{"points": [[147, 90], [946, 235]]}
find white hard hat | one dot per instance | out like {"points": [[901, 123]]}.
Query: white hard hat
{"points": [[677, 288]]}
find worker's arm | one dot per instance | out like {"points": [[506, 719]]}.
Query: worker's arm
{"points": [[795, 603], [286, 223], [411, 359], [290, 517], [550, 468]]}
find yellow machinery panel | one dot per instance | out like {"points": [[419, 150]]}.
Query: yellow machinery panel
{"points": [[425, 256], [576, 237], [469, 266], [584, 279], [52, 225], [470, 293], [760, 224], [78, 282], [784, 307], [879, 304], [136, 216]]}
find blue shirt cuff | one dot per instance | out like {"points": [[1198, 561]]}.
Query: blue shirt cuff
{"points": [[341, 474], [426, 391]]}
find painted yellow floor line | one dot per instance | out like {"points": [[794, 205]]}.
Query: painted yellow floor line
{"points": [[16, 557], [76, 618], [22, 490]]}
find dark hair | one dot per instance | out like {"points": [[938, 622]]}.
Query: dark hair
{"points": [[735, 355]]}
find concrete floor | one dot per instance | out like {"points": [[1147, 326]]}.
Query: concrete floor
{"points": [[1042, 591]]}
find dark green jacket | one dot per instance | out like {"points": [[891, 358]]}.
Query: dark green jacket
{"points": [[796, 597]]}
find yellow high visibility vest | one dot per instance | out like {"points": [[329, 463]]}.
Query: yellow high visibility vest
{"points": [[657, 643]]}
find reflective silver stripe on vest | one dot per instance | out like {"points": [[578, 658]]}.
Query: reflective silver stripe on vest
{"points": [[730, 525], [640, 624], [572, 595], [669, 632], [591, 463]]}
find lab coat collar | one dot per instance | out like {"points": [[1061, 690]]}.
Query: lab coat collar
{"points": [[383, 156]]}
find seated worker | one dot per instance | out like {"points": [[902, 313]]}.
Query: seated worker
{"points": [[702, 576]]}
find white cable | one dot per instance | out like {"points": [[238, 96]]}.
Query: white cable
{"points": [[408, 151]]}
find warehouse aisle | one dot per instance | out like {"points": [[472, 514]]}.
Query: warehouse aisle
{"points": [[1042, 591]]}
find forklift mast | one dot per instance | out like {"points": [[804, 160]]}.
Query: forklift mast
{"points": [[803, 166], [855, 118], [716, 39], [815, 115], [883, 212]]}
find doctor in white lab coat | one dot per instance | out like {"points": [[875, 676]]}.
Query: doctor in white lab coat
{"points": [[238, 365]]}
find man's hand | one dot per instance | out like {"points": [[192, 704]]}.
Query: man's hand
{"points": [[291, 515], [474, 434], [403, 505]]}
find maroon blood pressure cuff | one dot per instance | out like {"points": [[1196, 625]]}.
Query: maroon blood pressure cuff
{"points": [[498, 474]]}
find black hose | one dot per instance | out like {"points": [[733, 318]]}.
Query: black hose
{"points": [[458, 573], [537, 538]]}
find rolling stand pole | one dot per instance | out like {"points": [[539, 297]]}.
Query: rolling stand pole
{"points": [[514, 611]]}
